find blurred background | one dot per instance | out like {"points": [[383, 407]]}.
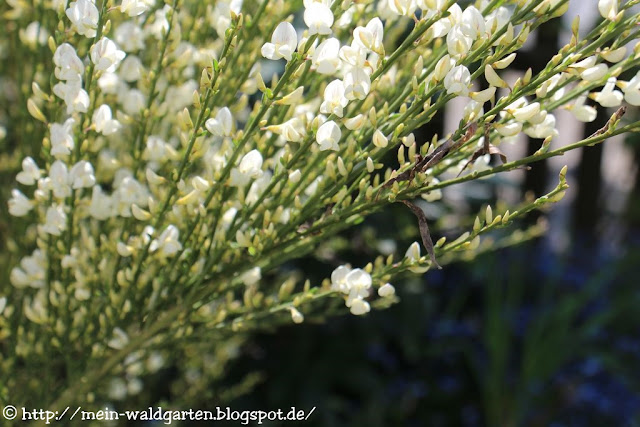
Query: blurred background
{"points": [[545, 333]]}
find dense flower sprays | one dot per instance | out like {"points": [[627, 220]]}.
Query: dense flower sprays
{"points": [[163, 176]]}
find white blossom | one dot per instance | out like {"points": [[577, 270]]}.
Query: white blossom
{"points": [[103, 121], [582, 112], [222, 125], [386, 290], [131, 69], [334, 99], [325, 57], [250, 167], [56, 220], [357, 84], [167, 243], [370, 36], [608, 8], [403, 7], [31, 272], [283, 43], [609, 97], [84, 15], [134, 7], [62, 138], [19, 204], [30, 172], [328, 136], [105, 55], [318, 18], [458, 80], [81, 175]]}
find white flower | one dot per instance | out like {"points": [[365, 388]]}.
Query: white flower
{"points": [[595, 73], [458, 80], [370, 37], [511, 128], [167, 242], [30, 172], [103, 122], [68, 65], [609, 97], [318, 18], [222, 125], [357, 84], [358, 306], [19, 204], [131, 69], [334, 99], [386, 290], [292, 130], [129, 36], [62, 138], [283, 43], [105, 55], [31, 272], [101, 206], [472, 23], [359, 282], [526, 112], [296, 316], [59, 180], [83, 14], [325, 57], [250, 168], [458, 43], [631, 90], [403, 7], [74, 96], [133, 101], [134, 7], [582, 112], [353, 55], [608, 8], [338, 279], [251, 276], [34, 34], [56, 220], [328, 136], [81, 175], [543, 130]]}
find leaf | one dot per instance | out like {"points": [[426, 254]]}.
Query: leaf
{"points": [[424, 230]]}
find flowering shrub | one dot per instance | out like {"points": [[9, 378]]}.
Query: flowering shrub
{"points": [[164, 183]]}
